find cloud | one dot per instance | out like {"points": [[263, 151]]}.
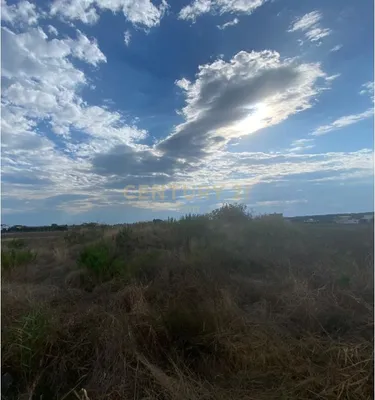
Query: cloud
{"points": [[23, 13], [343, 122], [310, 25], [52, 30], [368, 89], [139, 12], [301, 145], [249, 168], [235, 21], [127, 37], [223, 172], [62, 151], [332, 77], [41, 105], [199, 7], [316, 34], [126, 161], [277, 203], [85, 49], [347, 120], [236, 98], [306, 22], [336, 48], [42, 84]]}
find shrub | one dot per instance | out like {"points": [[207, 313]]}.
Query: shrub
{"points": [[231, 213], [13, 258], [100, 261], [103, 261]]}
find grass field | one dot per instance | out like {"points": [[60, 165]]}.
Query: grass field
{"points": [[221, 306]]}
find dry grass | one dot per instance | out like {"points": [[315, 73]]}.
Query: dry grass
{"points": [[219, 307]]}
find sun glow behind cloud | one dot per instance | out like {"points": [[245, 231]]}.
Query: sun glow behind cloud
{"points": [[256, 120]]}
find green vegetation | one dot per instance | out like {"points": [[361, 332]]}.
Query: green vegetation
{"points": [[12, 258], [221, 306]]}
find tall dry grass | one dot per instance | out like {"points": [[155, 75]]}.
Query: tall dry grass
{"points": [[223, 306]]}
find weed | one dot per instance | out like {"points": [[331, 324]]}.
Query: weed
{"points": [[29, 354]]}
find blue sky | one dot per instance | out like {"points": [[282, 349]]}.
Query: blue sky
{"points": [[264, 102]]}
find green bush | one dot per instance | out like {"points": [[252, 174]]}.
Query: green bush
{"points": [[100, 260], [231, 213], [13, 258]]}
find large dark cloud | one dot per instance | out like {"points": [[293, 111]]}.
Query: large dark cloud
{"points": [[123, 160], [254, 90], [228, 93], [124, 166]]}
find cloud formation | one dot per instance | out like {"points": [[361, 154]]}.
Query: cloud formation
{"points": [[343, 122], [309, 24], [23, 13], [41, 94], [368, 89], [231, 99], [301, 145], [66, 149], [200, 7], [52, 30], [142, 13]]}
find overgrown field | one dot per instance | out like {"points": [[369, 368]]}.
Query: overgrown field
{"points": [[221, 306]]}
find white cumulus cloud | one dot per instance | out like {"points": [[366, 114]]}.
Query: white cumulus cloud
{"points": [[200, 7], [139, 12], [42, 96], [24, 13], [85, 49]]}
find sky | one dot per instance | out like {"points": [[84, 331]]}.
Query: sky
{"points": [[119, 111]]}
